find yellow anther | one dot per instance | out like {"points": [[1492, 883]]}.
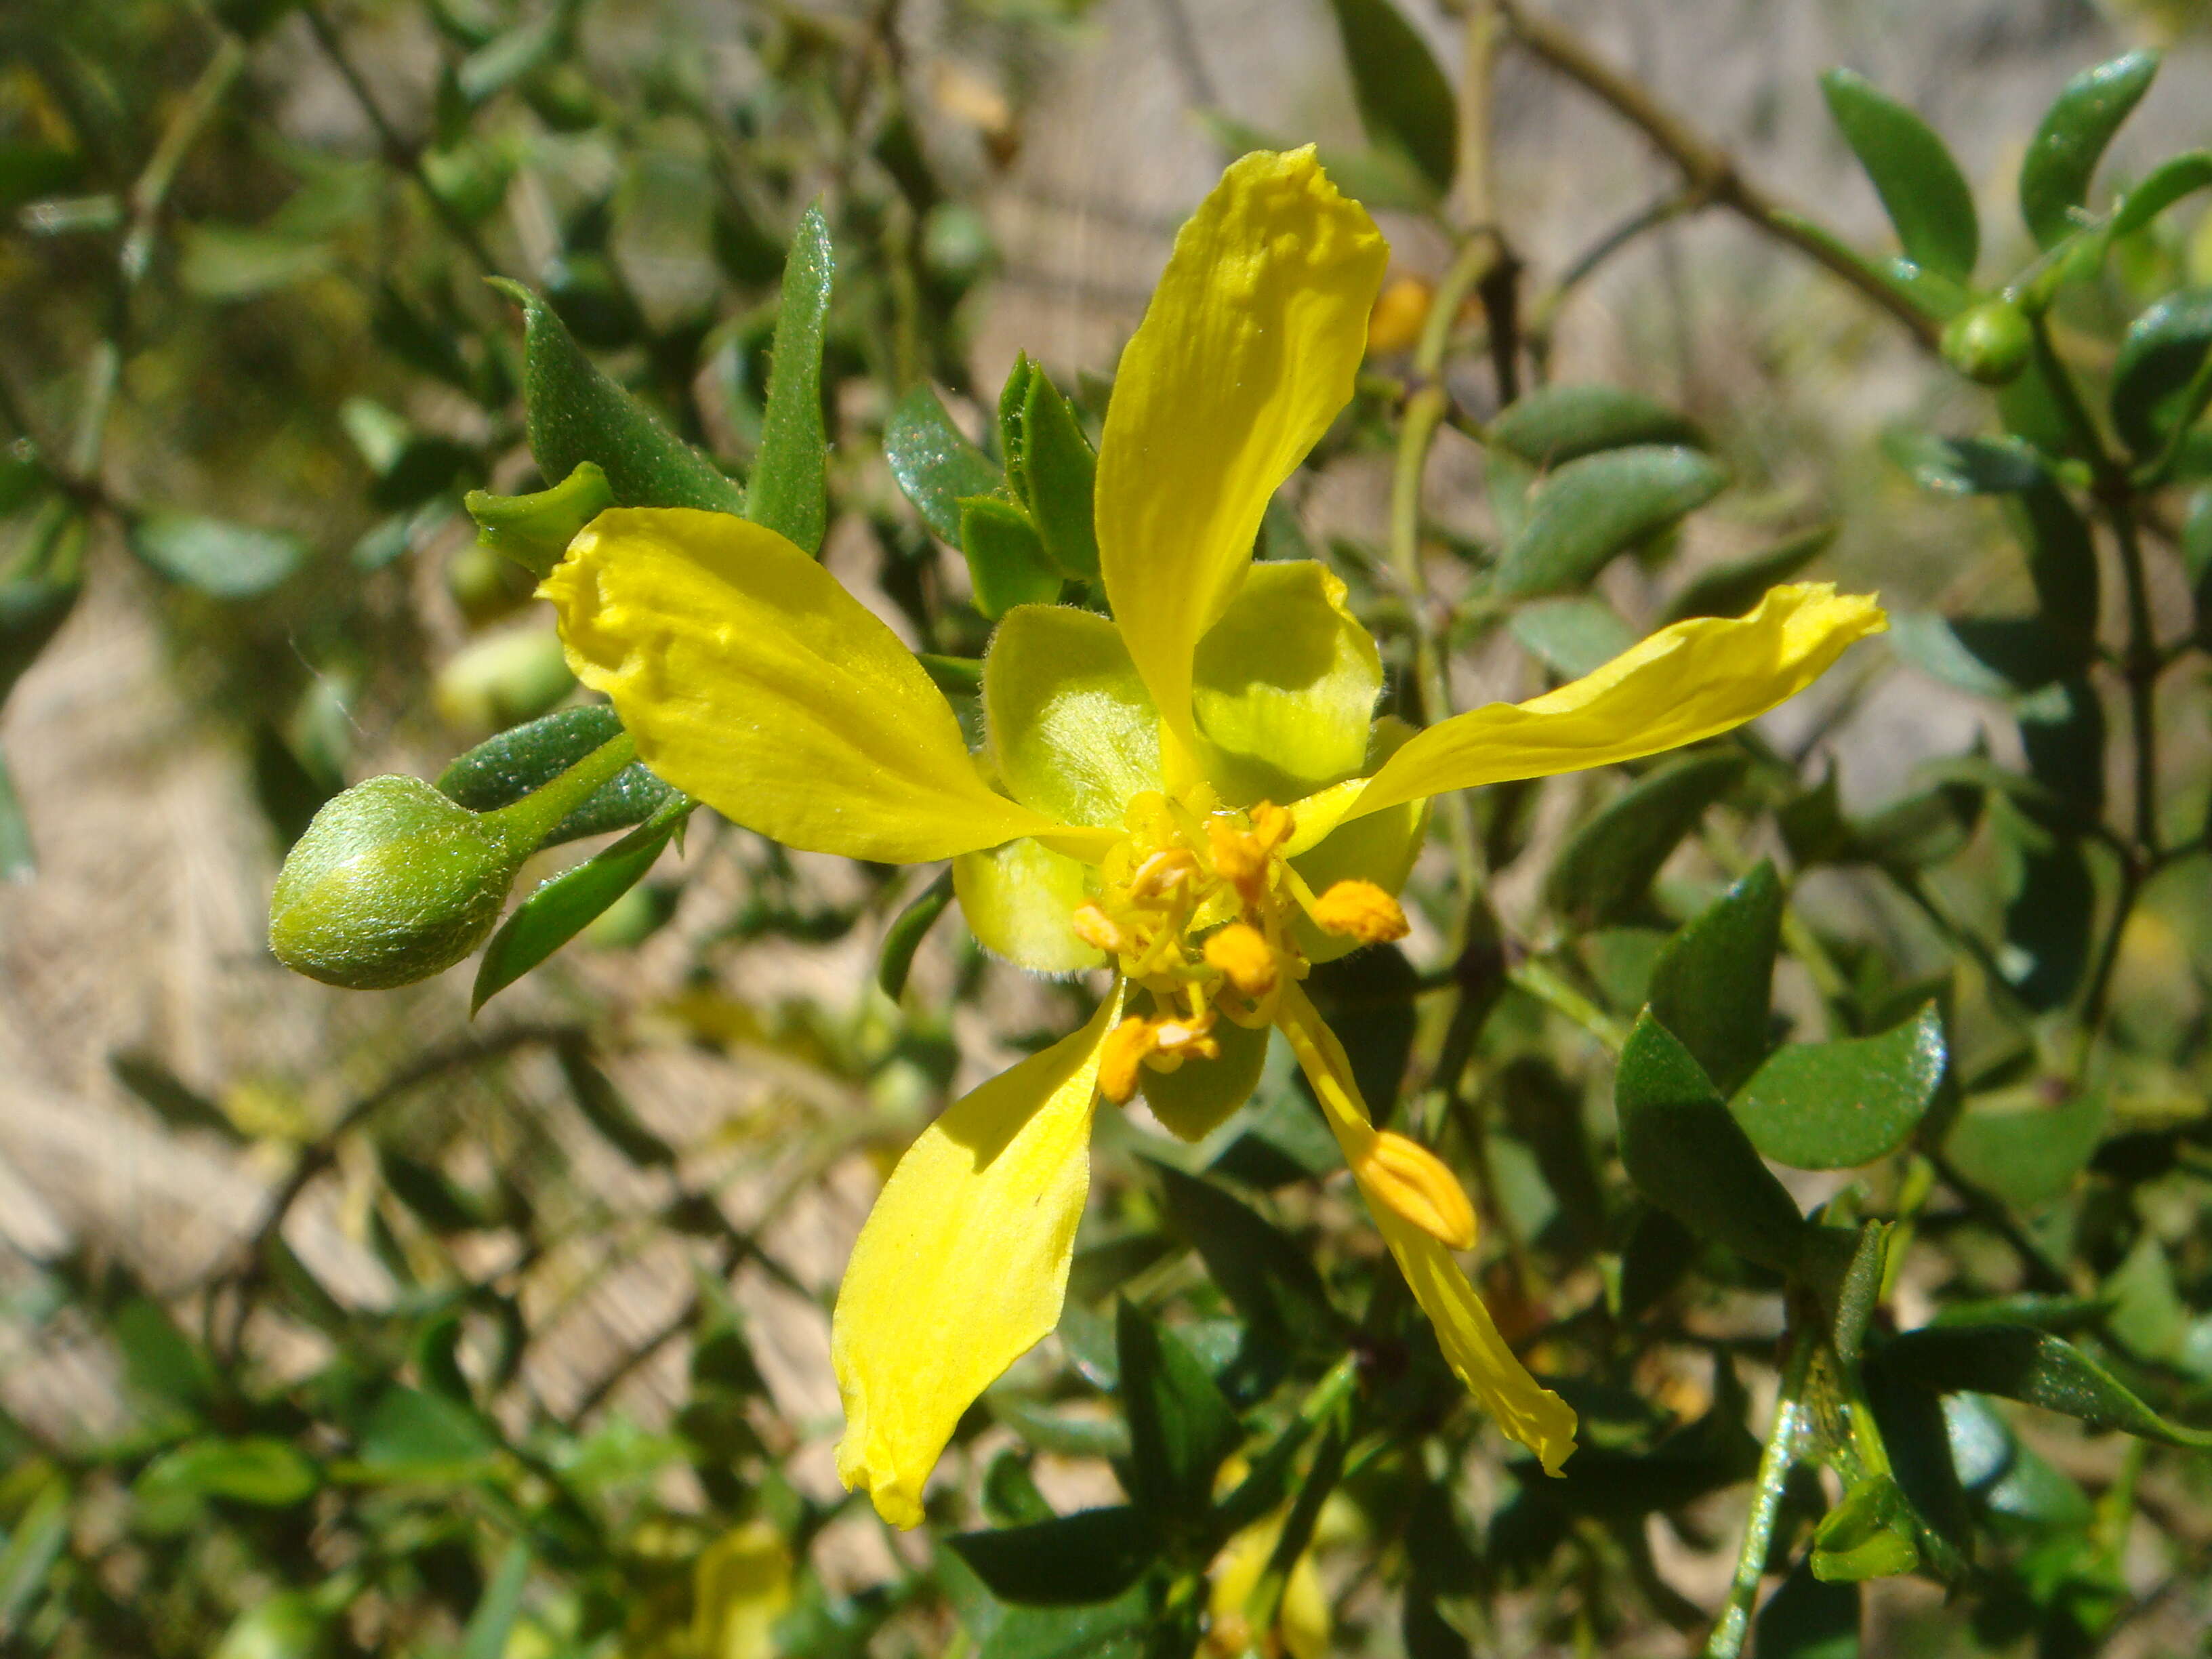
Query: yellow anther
{"points": [[1413, 1182], [1095, 927], [1271, 826], [1125, 1049], [1360, 910], [1237, 856], [1242, 955], [1175, 1041]]}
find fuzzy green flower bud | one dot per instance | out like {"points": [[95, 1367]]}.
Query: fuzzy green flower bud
{"points": [[394, 881], [1989, 342]]}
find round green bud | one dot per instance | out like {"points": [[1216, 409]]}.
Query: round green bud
{"points": [[392, 883], [1989, 342]]}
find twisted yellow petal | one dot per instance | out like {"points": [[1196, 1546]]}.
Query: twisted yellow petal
{"points": [[1245, 354], [1685, 683], [962, 1266], [1409, 1218], [751, 679]]}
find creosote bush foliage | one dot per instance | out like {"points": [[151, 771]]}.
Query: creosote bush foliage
{"points": [[1350, 1091]]}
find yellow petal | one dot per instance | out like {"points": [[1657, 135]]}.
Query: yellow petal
{"points": [[1529, 1412], [1685, 683], [751, 679], [962, 1266], [1245, 354]]}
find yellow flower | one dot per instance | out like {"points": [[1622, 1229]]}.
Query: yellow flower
{"points": [[1194, 792]]}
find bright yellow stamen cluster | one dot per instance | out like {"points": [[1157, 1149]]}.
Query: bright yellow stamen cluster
{"points": [[1195, 906]]}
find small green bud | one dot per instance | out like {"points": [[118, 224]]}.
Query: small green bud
{"points": [[1989, 342], [392, 883]]}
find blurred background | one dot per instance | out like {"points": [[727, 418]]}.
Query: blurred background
{"points": [[249, 360]]}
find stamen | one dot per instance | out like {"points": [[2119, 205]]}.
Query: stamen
{"points": [[1360, 910], [1242, 955], [1161, 873], [1125, 1049], [1096, 928], [1413, 1182]]}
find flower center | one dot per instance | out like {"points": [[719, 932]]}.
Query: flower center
{"points": [[1197, 906]]}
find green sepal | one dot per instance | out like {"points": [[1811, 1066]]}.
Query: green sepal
{"points": [[1072, 731], [894, 958], [576, 414], [1868, 1535], [1008, 564], [1018, 900], [786, 492], [535, 530], [1193, 1101]]}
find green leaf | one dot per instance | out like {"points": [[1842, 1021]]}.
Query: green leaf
{"points": [[32, 612], [160, 1362], [1921, 187], [435, 1201], [2161, 188], [257, 1470], [1929, 292], [1181, 1426], [1117, 1629], [1007, 563], [1735, 587], [180, 1104], [1868, 1535], [564, 907], [1989, 656], [1570, 636], [2061, 557], [1837, 1105], [1807, 1619], [1591, 509], [2062, 731], [607, 1111], [35, 1543], [2034, 1367], [497, 1609], [1059, 469], [1689, 1157], [576, 414], [1088, 1557], [223, 560], [908, 928], [1265, 1273], [2157, 385], [2063, 156], [786, 489], [523, 758], [935, 466], [2049, 917], [535, 530], [1712, 986], [1555, 424], [1605, 867], [2023, 1149], [1405, 101], [413, 1435]]}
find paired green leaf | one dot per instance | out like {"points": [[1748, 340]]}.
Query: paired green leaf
{"points": [[1689, 1157], [1555, 424], [1837, 1105], [2033, 1366], [786, 492], [908, 929], [1591, 509], [2160, 385], [1182, 1427], [1058, 473], [1712, 986], [564, 905], [1570, 636], [576, 414], [1007, 562], [2023, 1149], [2061, 158], [1735, 587], [1608, 863], [1405, 101], [2161, 187], [222, 560], [502, 769], [1090, 1556], [935, 465], [1921, 189]]}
